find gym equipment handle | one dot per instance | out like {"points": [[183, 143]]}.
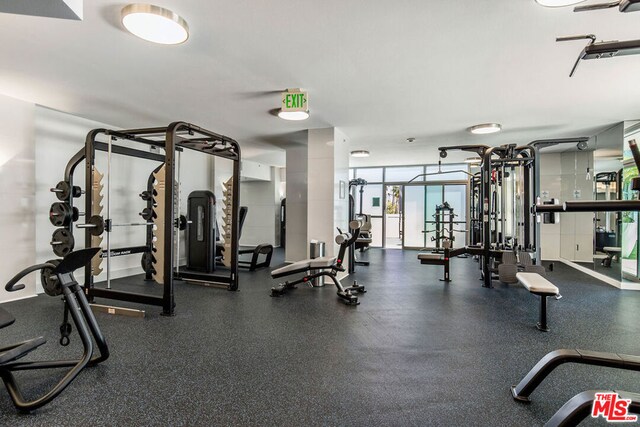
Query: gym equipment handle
{"points": [[13, 285]]}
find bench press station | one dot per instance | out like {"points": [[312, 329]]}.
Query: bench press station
{"points": [[325, 266]]}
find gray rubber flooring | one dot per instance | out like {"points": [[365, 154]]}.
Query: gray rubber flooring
{"points": [[416, 352]]}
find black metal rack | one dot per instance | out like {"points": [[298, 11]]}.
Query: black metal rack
{"points": [[172, 139]]}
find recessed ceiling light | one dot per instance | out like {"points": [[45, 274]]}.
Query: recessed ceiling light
{"points": [[293, 115], [155, 24], [411, 140], [360, 153], [485, 128], [473, 160], [558, 3]]}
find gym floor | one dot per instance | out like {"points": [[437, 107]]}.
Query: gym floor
{"points": [[415, 352]]}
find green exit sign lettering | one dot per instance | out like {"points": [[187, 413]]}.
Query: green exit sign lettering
{"points": [[294, 100]]}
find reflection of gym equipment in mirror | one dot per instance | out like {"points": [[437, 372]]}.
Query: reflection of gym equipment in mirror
{"points": [[608, 224], [444, 228], [365, 237]]}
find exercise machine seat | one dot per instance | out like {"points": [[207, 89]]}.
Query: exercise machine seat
{"points": [[537, 284], [430, 257], [612, 249], [307, 264]]}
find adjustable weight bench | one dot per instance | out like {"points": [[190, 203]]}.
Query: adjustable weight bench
{"points": [[538, 285], [324, 266]]}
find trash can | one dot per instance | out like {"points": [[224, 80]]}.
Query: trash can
{"points": [[316, 250]]}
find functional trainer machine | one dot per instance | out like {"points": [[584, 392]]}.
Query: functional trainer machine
{"points": [[508, 172], [323, 267], [62, 283]]}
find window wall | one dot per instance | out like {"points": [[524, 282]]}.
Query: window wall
{"points": [[422, 187]]}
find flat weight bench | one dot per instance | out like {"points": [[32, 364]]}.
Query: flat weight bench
{"points": [[612, 252], [436, 259], [538, 285]]}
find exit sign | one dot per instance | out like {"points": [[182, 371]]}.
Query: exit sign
{"points": [[294, 100]]}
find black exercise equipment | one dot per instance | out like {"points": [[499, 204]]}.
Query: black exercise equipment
{"points": [[574, 410], [253, 264], [283, 223], [601, 50], [623, 6], [438, 259], [63, 191], [75, 304], [201, 231], [580, 406], [364, 236], [325, 266], [522, 391]]}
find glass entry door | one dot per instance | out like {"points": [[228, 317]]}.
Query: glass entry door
{"points": [[419, 214]]}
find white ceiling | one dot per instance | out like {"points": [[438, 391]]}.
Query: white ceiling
{"points": [[382, 71]]}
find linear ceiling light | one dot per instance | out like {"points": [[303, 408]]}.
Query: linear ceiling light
{"points": [[558, 3], [485, 128], [360, 153], [473, 160], [155, 24]]}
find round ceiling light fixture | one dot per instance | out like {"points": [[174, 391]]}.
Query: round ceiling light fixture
{"points": [[411, 140], [485, 128], [293, 115], [154, 23], [360, 153], [558, 3]]}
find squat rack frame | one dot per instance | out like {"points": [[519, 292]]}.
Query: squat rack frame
{"points": [[173, 138]]}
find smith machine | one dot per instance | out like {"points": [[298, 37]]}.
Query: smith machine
{"points": [[161, 216]]}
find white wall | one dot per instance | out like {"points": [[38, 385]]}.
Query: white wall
{"points": [[263, 211], [321, 188], [17, 183], [551, 187], [563, 177], [296, 177]]}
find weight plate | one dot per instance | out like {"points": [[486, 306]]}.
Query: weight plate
{"points": [[60, 214], [99, 225], [147, 262], [63, 191], [62, 242], [147, 214], [49, 280]]}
